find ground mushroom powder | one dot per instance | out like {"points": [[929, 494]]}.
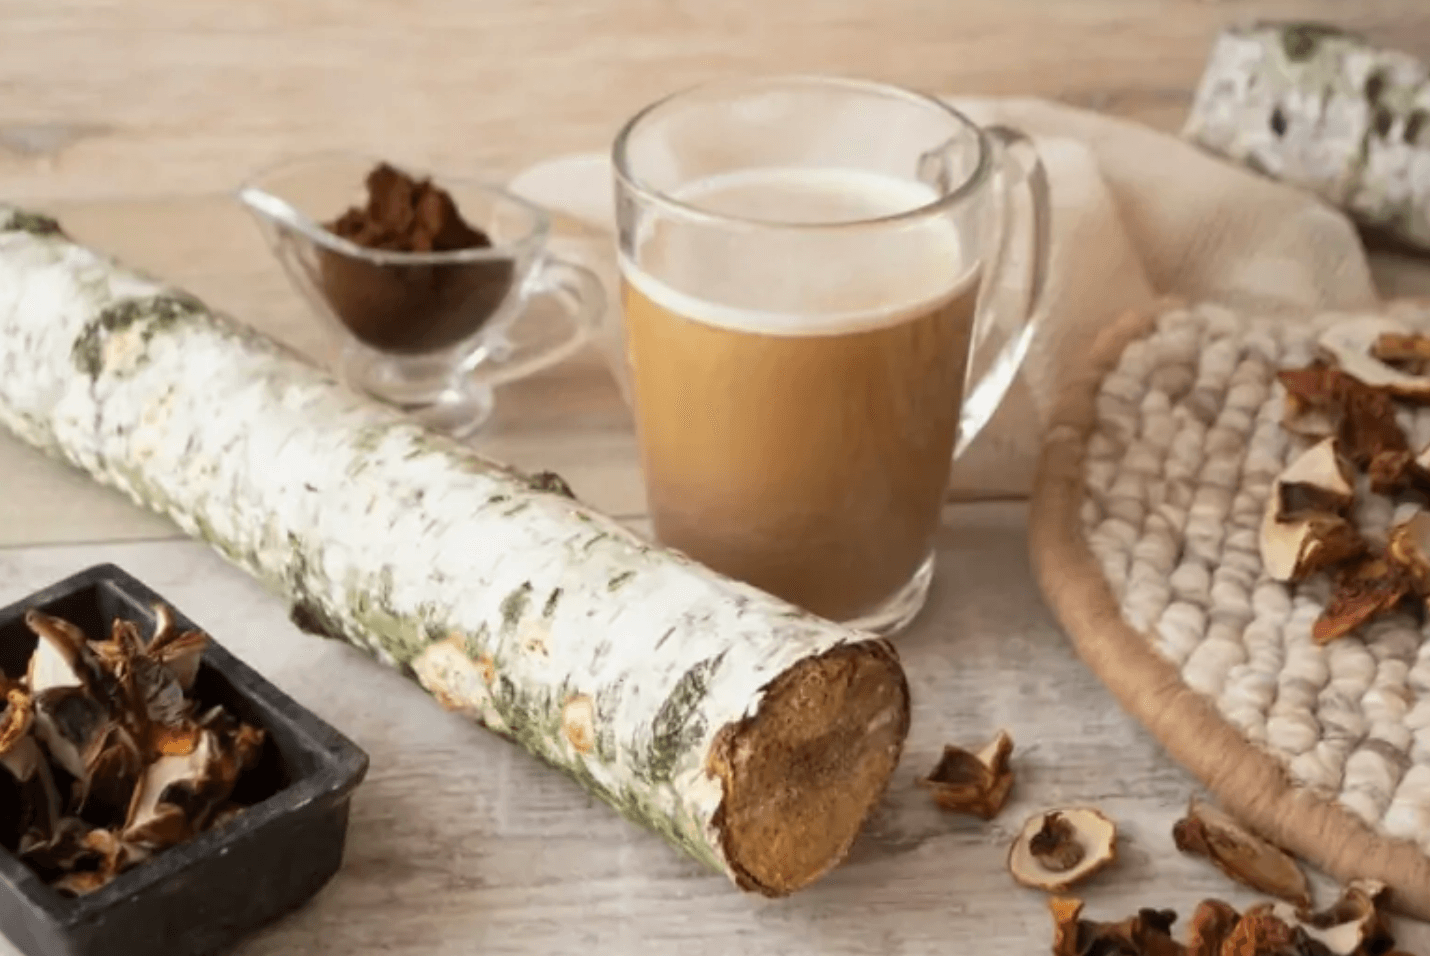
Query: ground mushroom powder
{"points": [[418, 307]]}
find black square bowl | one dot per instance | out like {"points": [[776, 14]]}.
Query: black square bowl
{"points": [[203, 895]]}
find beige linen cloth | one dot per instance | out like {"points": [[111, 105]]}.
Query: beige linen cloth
{"points": [[1137, 214]]}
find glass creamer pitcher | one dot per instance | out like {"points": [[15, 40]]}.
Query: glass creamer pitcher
{"points": [[430, 332], [824, 299]]}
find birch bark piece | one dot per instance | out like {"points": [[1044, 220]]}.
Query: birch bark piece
{"points": [[1326, 110], [744, 731]]}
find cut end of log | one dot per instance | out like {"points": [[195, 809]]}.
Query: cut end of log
{"points": [[803, 773]]}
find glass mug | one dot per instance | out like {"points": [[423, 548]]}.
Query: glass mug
{"points": [[820, 311]]}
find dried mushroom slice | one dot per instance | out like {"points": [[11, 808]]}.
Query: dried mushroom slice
{"points": [[176, 740], [1056, 845], [1355, 924], [122, 656], [1318, 481], [1210, 925], [64, 850], [1304, 528], [23, 757], [1322, 401], [157, 712], [112, 771], [83, 858], [176, 796], [15, 724], [1408, 548], [1353, 345], [1371, 586], [1149, 933], [1312, 404], [181, 794], [86, 713], [976, 784], [1408, 352], [1260, 932], [1242, 855], [70, 724], [1061, 848], [1394, 472], [74, 652], [178, 652], [242, 742], [49, 669], [1067, 918]]}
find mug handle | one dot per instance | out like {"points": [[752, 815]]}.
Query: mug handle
{"points": [[582, 299], [998, 326]]}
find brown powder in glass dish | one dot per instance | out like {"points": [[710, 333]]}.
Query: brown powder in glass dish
{"points": [[417, 308]]}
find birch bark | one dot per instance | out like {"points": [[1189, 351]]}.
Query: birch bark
{"points": [[750, 734], [1325, 110]]}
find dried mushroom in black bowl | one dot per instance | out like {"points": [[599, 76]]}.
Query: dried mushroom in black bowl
{"points": [[157, 796], [112, 758]]}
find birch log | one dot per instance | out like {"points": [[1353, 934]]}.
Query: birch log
{"points": [[752, 735], [1326, 110]]}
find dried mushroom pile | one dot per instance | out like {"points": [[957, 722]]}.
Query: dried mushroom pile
{"points": [[1355, 926], [1059, 848], [113, 760], [1348, 401], [1355, 408]]}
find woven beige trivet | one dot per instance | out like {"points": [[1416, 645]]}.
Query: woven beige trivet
{"points": [[1145, 538]]}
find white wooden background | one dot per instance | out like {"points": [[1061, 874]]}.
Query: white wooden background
{"points": [[461, 843]]}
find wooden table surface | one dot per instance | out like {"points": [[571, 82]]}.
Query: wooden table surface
{"points": [[461, 843]]}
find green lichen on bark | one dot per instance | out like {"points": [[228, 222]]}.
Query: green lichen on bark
{"points": [[369, 439], [513, 606], [607, 699], [1301, 40], [152, 315], [678, 725], [532, 717], [682, 831], [477, 643], [34, 223], [402, 635], [454, 455]]}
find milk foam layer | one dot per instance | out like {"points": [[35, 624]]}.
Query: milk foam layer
{"points": [[802, 281]]}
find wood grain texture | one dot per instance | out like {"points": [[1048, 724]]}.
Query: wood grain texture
{"points": [[460, 842], [157, 96]]}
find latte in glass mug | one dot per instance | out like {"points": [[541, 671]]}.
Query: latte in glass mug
{"points": [[797, 408], [804, 262]]}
